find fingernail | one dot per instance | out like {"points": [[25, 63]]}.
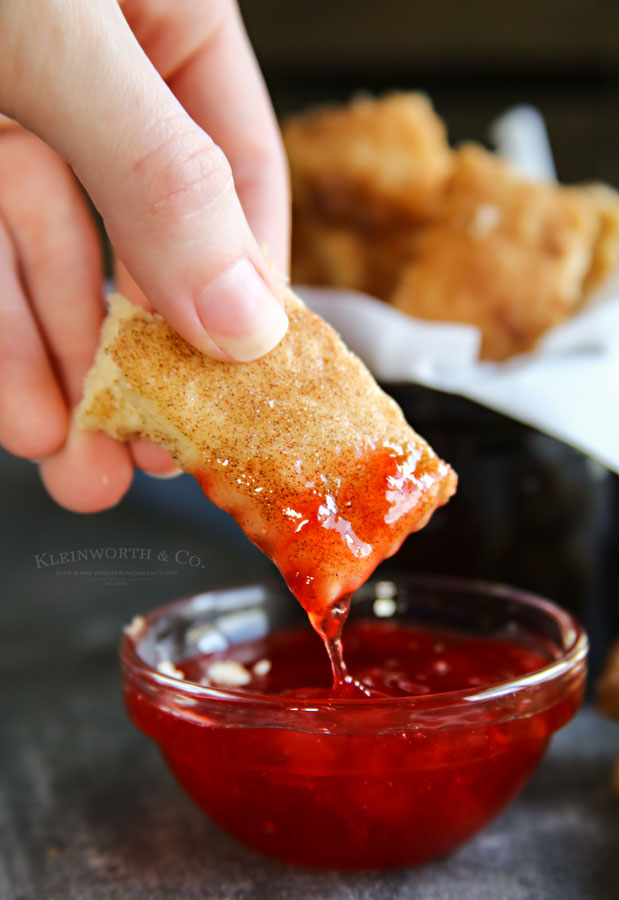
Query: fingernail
{"points": [[162, 476], [240, 313]]}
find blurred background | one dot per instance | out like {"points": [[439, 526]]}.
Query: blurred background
{"points": [[530, 510], [474, 59]]}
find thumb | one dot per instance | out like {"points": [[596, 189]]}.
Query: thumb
{"points": [[164, 188]]}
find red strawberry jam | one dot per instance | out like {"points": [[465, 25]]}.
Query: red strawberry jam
{"points": [[336, 783], [328, 536], [328, 533]]}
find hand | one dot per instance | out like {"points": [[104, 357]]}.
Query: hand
{"points": [[159, 109]]}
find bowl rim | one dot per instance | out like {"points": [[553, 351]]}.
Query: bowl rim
{"points": [[569, 660]]}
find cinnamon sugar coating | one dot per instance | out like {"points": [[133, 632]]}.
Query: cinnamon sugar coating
{"points": [[316, 463]]}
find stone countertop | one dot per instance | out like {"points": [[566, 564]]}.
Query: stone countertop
{"points": [[87, 807]]}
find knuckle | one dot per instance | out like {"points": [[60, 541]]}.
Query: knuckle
{"points": [[185, 174], [261, 165], [27, 442], [48, 247]]}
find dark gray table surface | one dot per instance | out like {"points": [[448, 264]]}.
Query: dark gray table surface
{"points": [[87, 808]]}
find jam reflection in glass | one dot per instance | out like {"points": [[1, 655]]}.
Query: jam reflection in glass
{"points": [[431, 736]]}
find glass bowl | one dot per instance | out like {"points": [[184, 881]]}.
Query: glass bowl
{"points": [[353, 783]]}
